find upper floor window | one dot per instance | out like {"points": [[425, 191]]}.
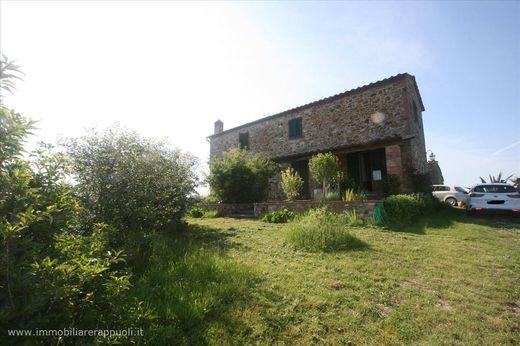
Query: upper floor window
{"points": [[295, 128], [243, 140]]}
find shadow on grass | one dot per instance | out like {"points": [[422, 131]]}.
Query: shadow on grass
{"points": [[191, 288], [445, 218], [213, 238], [355, 244]]}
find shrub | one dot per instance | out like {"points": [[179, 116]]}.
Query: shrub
{"points": [[292, 184], [353, 218], [407, 209], [83, 284], [391, 185], [240, 177], [195, 212], [351, 195], [319, 230], [130, 181], [422, 182], [332, 196], [279, 216], [210, 214]]}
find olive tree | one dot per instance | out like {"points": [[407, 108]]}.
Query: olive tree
{"points": [[324, 168], [130, 181]]}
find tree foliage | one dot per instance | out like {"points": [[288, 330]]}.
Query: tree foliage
{"points": [[129, 181], [292, 183], [324, 168], [51, 274], [241, 177], [9, 73]]}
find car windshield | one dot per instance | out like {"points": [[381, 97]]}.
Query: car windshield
{"points": [[494, 189], [461, 189]]}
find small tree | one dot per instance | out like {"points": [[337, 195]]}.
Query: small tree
{"points": [[240, 176], [292, 183], [324, 169]]}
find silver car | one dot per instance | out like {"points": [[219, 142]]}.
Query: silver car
{"points": [[450, 194], [493, 197]]}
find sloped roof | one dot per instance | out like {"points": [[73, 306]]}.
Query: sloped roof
{"points": [[332, 98]]}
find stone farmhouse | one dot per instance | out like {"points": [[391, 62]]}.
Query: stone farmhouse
{"points": [[375, 130]]}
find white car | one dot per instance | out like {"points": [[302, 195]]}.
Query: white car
{"points": [[450, 194], [493, 197]]}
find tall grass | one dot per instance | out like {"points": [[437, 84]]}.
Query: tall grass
{"points": [[185, 286], [320, 230]]}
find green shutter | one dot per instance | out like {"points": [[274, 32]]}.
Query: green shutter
{"points": [[295, 128]]}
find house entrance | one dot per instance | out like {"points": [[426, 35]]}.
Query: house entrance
{"points": [[368, 169]]}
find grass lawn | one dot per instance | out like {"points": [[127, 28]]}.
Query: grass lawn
{"points": [[452, 280]]}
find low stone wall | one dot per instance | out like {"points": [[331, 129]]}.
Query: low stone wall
{"points": [[364, 209], [226, 209]]}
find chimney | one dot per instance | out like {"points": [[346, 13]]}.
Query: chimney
{"points": [[219, 126]]}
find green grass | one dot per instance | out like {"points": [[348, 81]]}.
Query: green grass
{"points": [[321, 230], [452, 279]]}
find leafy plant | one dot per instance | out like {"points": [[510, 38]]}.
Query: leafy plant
{"points": [[195, 212], [496, 179], [240, 176], [391, 185], [351, 195], [279, 216], [9, 72], [332, 196], [210, 214], [406, 209], [324, 168], [422, 182], [319, 230], [353, 218], [292, 183], [130, 181]]}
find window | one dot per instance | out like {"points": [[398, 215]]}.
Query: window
{"points": [[295, 128], [243, 140], [494, 189]]}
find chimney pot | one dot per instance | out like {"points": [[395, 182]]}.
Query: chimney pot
{"points": [[219, 126]]}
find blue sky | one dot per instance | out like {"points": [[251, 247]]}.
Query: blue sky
{"points": [[170, 69]]}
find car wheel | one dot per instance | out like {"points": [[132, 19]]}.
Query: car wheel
{"points": [[451, 201]]}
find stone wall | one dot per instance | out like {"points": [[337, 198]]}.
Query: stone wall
{"points": [[226, 209], [344, 123], [338, 121], [364, 209]]}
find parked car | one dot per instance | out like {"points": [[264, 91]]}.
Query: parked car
{"points": [[493, 197], [450, 194]]}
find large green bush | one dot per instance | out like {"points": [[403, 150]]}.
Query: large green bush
{"points": [[405, 209], [240, 176], [319, 230], [52, 274], [131, 182]]}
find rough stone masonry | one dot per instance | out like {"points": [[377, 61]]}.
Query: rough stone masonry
{"points": [[376, 130]]}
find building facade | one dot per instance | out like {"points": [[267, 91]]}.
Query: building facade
{"points": [[375, 130]]}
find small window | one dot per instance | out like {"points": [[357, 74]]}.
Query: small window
{"points": [[243, 140], [295, 128]]}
